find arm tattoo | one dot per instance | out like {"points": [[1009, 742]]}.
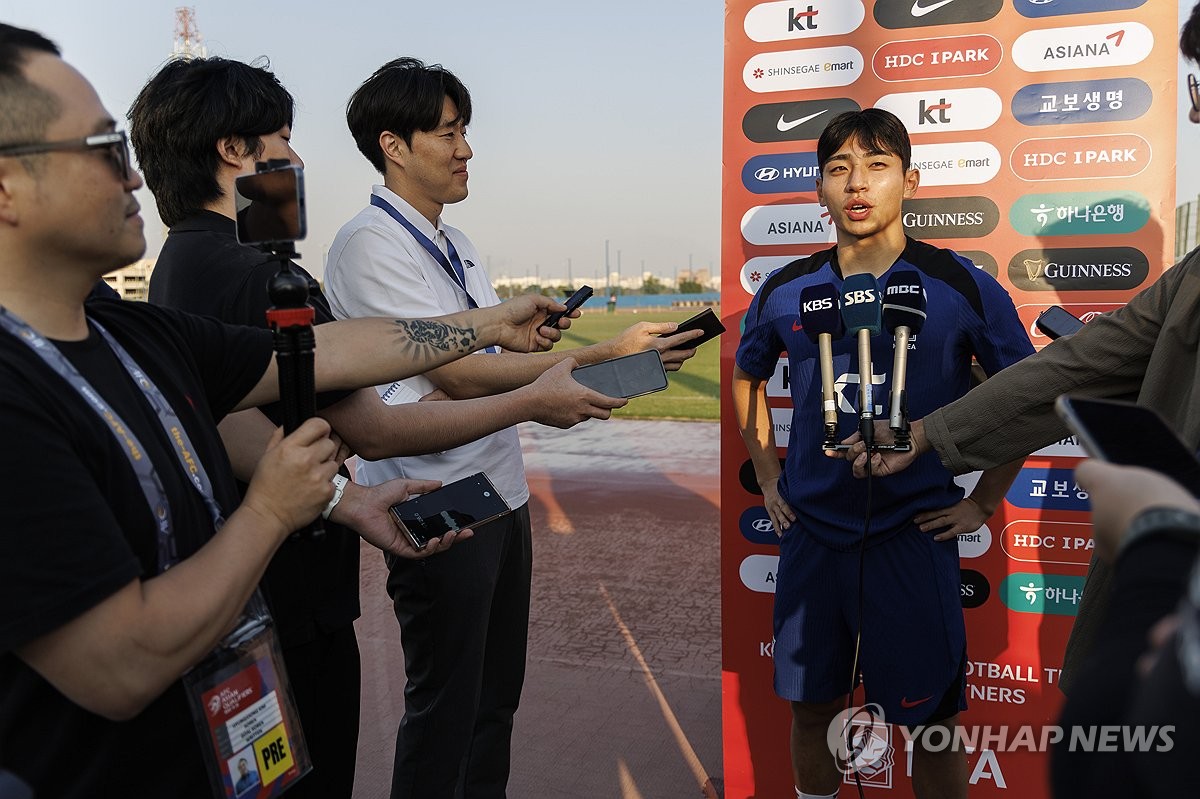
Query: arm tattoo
{"points": [[423, 335]]}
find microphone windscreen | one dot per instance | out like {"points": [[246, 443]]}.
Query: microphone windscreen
{"points": [[904, 302], [819, 311], [862, 307]]}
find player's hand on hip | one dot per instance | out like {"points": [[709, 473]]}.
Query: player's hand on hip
{"points": [[963, 517], [781, 513]]}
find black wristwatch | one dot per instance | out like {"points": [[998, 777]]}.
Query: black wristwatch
{"points": [[1175, 523]]}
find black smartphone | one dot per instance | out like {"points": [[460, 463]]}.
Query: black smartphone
{"points": [[582, 295], [627, 376], [1055, 322], [707, 321], [1130, 435], [270, 206], [469, 502]]}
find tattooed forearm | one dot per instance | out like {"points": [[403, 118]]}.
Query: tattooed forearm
{"points": [[424, 335]]}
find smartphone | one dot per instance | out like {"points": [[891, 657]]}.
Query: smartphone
{"points": [[1055, 322], [270, 206], [469, 502], [1130, 435], [707, 321], [627, 376], [573, 302]]}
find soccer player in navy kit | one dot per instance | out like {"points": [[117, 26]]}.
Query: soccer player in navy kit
{"points": [[913, 641]]}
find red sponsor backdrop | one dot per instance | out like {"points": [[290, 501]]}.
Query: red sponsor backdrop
{"points": [[1065, 123]]}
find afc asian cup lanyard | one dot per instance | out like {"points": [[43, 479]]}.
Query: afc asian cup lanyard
{"points": [[139, 459]]}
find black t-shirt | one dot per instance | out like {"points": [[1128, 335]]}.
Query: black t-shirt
{"points": [[75, 527], [311, 584]]}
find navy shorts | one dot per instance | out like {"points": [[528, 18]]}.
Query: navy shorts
{"points": [[913, 638]]}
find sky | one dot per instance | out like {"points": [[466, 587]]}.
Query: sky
{"points": [[592, 122]]}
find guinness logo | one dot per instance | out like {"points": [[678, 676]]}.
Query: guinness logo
{"points": [[1079, 269]]}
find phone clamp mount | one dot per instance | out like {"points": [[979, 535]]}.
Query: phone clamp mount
{"points": [[901, 435], [291, 319]]}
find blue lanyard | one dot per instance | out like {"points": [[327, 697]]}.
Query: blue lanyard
{"points": [[147, 477], [452, 267]]}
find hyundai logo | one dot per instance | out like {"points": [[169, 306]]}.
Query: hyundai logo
{"points": [[763, 526], [766, 173]]}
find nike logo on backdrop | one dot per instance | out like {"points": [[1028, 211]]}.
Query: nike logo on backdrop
{"points": [[784, 127], [904, 701], [919, 10]]}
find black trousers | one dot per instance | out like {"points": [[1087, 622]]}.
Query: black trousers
{"points": [[325, 680], [464, 625]]}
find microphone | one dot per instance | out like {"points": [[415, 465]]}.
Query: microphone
{"points": [[903, 316], [862, 313], [822, 323]]}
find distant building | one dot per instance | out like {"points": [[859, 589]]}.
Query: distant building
{"points": [[1187, 228], [701, 276], [133, 281]]}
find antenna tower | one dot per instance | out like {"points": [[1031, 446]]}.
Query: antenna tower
{"points": [[189, 42]]}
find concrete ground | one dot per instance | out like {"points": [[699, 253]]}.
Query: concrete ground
{"points": [[622, 694]]}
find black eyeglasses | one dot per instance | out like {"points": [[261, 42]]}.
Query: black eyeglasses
{"points": [[1194, 91], [116, 143]]}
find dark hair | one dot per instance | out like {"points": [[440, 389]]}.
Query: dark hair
{"points": [[875, 129], [403, 96], [28, 109], [181, 114], [1189, 38]]}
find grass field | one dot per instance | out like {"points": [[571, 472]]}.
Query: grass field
{"points": [[694, 391]]}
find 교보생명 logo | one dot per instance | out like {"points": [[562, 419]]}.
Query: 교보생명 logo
{"points": [[950, 217], [896, 14], [799, 120], [1079, 269], [1053, 8], [1082, 101], [787, 19]]}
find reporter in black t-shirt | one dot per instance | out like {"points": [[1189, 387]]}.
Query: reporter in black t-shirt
{"points": [[94, 633]]}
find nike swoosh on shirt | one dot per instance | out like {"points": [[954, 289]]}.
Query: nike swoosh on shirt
{"points": [[904, 702], [797, 327], [784, 127], [919, 10]]}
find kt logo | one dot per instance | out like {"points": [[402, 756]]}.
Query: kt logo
{"points": [[925, 112], [850, 381], [803, 20]]}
